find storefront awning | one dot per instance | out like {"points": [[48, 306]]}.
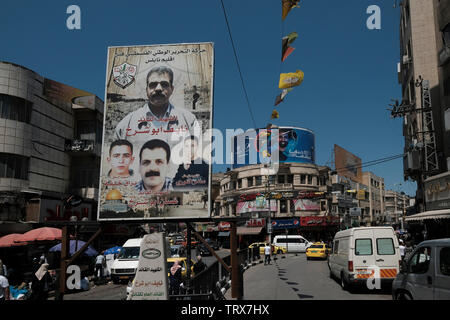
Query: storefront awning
{"points": [[436, 214], [248, 231], [224, 234]]}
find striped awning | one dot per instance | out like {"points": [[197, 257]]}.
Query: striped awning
{"points": [[435, 214]]}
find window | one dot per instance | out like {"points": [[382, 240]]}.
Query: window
{"points": [[302, 179], [385, 246], [290, 178], [250, 182], [363, 247], [15, 108], [258, 180], [444, 261], [271, 180], [281, 179], [283, 206], [420, 262], [310, 178], [239, 183], [336, 247], [290, 240], [13, 166]]}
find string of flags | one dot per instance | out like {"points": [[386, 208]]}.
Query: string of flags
{"points": [[287, 80]]}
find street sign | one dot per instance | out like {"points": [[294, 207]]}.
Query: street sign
{"points": [[355, 212]]}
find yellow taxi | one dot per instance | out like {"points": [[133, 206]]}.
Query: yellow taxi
{"points": [[261, 245], [317, 250], [183, 264]]}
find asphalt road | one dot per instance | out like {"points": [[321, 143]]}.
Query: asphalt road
{"points": [[295, 278]]}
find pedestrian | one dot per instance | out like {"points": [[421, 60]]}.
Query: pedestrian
{"points": [[267, 250], [40, 285], [175, 278], [100, 263], [4, 288], [402, 249], [3, 269], [199, 266]]}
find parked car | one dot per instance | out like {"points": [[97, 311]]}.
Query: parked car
{"points": [[203, 250], [317, 250], [357, 252], [425, 275], [292, 243]]}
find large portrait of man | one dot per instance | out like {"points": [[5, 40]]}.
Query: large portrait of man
{"points": [[158, 102]]}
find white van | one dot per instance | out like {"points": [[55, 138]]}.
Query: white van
{"points": [[124, 267], [358, 253], [292, 243]]}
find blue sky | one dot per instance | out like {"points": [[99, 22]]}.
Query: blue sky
{"points": [[350, 71]]}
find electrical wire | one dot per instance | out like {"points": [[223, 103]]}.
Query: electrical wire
{"points": [[372, 163], [238, 66]]}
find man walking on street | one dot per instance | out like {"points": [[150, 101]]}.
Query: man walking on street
{"points": [[267, 250], [100, 262]]}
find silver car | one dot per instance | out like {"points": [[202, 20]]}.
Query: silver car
{"points": [[425, 274]]}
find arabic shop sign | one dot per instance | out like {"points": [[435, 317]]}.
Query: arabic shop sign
{"points": [[286, 224], [318, 221], [437, 192], [151, 276]]}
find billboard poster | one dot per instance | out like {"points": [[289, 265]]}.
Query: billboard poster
{"points": [[294, 145], [347, 164], [158, 112]]}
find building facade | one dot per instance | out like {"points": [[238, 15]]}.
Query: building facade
{"points": [[396, 204], [50, 144]]}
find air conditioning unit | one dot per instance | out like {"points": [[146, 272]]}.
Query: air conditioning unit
{"points": [[406, 59]]}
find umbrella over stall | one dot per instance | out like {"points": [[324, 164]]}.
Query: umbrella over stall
{"points": [[9, 240], [113, 250], [74, 246], [40, 234]]}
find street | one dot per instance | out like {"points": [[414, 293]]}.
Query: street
{"points": [[289, 278], [294, 278]]}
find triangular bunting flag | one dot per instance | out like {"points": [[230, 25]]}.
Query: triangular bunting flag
{"points": [[281, 96], [287, 6], [275, 114]]}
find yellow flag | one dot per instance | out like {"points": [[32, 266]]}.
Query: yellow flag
{"points": [[275, 114], [289, 80]]}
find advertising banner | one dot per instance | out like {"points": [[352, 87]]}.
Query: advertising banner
{"points": [[294, 145], [158, 109], [286, 224], [347, 164], [150, 282], [251, 206], [306, 205], [318, 221]]}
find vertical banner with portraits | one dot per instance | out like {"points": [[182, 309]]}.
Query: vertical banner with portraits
{"points": [[156, 159]]}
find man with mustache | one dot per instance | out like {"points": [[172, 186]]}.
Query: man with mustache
{"points": [[158, 118], [154, 160]]}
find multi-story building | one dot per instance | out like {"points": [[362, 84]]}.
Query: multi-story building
{"points": [[421, 54], [396, 204], [425, 52], [50, 145]]}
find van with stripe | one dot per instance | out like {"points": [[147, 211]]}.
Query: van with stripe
{"points": [[367, 256]]}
